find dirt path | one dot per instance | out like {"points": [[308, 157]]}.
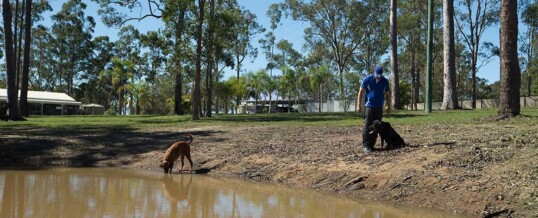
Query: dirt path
{"points": [[476, 170]]}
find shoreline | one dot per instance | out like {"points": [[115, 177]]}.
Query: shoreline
{"points": [[474, 174]]}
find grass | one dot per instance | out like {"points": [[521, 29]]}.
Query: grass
{"points": [[529, 116]]}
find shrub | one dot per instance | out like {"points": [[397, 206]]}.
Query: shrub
{"points": [[110, 112]]}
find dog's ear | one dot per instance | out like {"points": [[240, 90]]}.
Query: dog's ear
{"points": [[162, 165]]}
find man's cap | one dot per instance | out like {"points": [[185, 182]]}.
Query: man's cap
{"points": [[378, 71]]}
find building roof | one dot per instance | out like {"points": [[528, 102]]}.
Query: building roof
{"points": [[44, 97], [92, 105]]}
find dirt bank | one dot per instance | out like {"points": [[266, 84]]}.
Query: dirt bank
{"points": [[476, 170]]}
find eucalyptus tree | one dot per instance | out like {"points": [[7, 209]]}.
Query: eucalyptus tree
{"points": [[196, 96], [376, 34], [529, 45], [153, 61], [40, 51], [12, 92], [72, 31], [223, 40], [478, 15], [413, 18], [43, 62], [450, 96], [291, 60], [93, 90], [335, 23], [210, 57], [178, 18], [509, 105], [268, 42], [412, 30], [26, 64], [244, 29], [129, 48]]}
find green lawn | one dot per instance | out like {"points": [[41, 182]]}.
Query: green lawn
{"points": [[529, 116]]}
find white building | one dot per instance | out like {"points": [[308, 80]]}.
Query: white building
{"points": [[48, 103]]}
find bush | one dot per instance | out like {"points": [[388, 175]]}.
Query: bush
{"points": [[110, 112]]}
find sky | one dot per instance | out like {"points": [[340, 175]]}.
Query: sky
{"points": [[289, 30]]}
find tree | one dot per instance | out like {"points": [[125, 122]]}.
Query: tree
{"points": [[376, 37], [472, 25], [530, 45], [394, 54], [255, 83], [288, 82], [129, 48], [268, 43], [245, 27], [176, 15], [450, 97], [509, 105], [12, 92], [318, 78], [197, 98], [334, 23], [73, 33], [210, 57], [26, 65]]}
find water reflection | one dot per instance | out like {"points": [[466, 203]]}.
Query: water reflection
{"points": [[84, 192]]}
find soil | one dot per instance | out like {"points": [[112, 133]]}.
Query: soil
{"points": [[479, 170]]}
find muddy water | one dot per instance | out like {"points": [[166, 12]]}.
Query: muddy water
{"points": [[89, 192]]}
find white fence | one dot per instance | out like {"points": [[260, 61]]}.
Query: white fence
{"points": [[336, 106]]}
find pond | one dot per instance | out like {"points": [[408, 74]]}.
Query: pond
{"points": [[114, 192]]}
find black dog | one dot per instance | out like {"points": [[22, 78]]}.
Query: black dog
{"points": [[387, 134]]}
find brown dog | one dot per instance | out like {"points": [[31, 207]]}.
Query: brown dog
{"points": [[178, 149]]}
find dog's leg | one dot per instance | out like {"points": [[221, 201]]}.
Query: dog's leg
{"points": [[182, 157], [190, 161], [382, 142]]}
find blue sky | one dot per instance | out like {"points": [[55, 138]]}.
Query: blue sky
{"points": [[289, 30]]}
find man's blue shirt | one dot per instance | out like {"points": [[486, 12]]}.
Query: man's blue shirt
{"points": [[375, 90]]}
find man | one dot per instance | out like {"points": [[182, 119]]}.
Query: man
{"points": [[376, 87]]}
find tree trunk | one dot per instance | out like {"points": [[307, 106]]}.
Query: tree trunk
{"points": [[473, 85], [12, 92], [196, 95], [417, 86], [177, 90], [394, 54], [26, 66], [320, 98], [450, 97], [18, 66], [413, 81], [15, 48], [509, 105], [210, 54]]}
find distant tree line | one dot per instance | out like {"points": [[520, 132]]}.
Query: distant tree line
{"points": [[179, 68]]}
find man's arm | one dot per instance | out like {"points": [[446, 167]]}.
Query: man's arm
{"points": [[388, 96], [359, 99]]}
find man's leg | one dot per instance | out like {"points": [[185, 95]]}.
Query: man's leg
{"points": [[368, 140]]}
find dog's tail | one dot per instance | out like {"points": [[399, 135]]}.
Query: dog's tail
{"points": [[190, 137]]}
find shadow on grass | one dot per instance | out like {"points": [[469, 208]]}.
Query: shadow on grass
{"points": [[29, 146]]}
